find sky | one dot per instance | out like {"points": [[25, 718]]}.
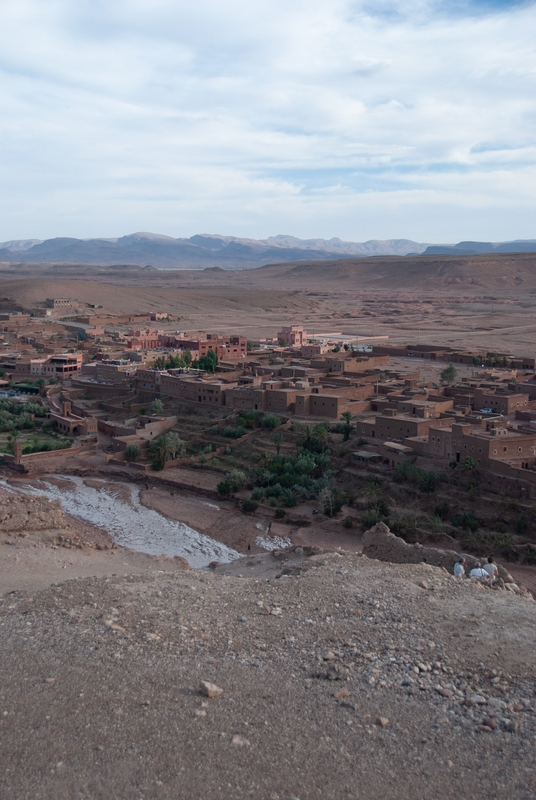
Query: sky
{"points": [[357, 119]]}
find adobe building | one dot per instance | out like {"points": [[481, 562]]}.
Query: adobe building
{"points": [[292, 336], [61, 302], [502, 402], [399, 426], [63, 366], [71, 424], [484, 443]]}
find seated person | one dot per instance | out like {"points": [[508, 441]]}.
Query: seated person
{"points": [[478, 572], [459, 568], [491, 568]]}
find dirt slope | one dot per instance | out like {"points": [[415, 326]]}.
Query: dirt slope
{"points": [[348, 678]]}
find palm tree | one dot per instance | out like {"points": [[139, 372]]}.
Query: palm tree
{"points": [[469, 464], [161, 450], [347, 417], [277, 438], [305, 436], [321, 437]]}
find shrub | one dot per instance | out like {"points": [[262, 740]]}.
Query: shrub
{"points": [[370, 518], [248, 419], [257, 493], [442, 510], [522, 525], [530, 555], [234, 433], [288, 498], [270, 421], [280, 513], [236, 480], [348, 522], [248, 506], [466, 521]]}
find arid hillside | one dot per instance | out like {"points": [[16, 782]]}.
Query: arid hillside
{"points": [[461, 301]]}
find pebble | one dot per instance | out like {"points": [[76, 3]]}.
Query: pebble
{"points": [[382, 722], [445, 692], [490, 722], [240, 741], [210, 689], [330, 656], [478, 699], [243, 619]]}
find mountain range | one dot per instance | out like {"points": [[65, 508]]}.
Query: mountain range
{"points": [[227, 252]]}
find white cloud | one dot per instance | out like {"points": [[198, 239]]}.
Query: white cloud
{"points": [[313, 118]]}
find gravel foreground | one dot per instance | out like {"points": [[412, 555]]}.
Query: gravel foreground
{"points": [[344, 677]]}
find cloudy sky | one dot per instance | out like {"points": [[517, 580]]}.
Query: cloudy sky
{"points": [[352, 118]]}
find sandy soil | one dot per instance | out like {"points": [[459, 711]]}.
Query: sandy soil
{"points": [[29, 565]]}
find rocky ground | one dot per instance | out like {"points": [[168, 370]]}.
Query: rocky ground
{"points": [[342, 677]]}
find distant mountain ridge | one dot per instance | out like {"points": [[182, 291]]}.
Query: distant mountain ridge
{"points": [[229, 252]]}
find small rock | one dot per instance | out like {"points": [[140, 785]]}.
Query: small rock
{"points": [[510, 725], [298, 551], [50, 680], [276, 612], [445, 692], [240, 741], [342, 694], [210, 689], [336, 672], [382, 722], [330, 656], [518, 708], [478, 699], [200, 712], [490, 722], [423, 585], [243, 619], [114, 626]]}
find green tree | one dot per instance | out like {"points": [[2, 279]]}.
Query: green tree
{"points": [[469, 464], [209, 362], [132, 452], [448, 375], [187, 357], [176, 445], [156, 407], [277, 438]]}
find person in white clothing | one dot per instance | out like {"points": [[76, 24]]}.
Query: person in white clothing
{"points": [[478, 572], [459, 568], [492, 569]]}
